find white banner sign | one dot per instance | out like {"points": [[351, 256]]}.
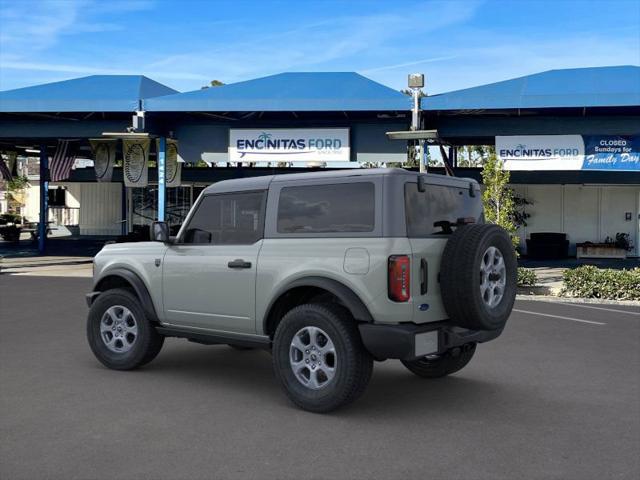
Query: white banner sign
{"points": [[104, 157], [289, 145], [136, 162], [541, 152]]}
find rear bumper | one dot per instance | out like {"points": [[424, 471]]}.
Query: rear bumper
{"points": [[410, 341]]}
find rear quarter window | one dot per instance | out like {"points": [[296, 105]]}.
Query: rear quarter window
{"points": [[438, 203], [333, 208]]}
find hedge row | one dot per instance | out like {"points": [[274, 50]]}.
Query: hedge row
{"points": [[588, 281], [526, 277]]}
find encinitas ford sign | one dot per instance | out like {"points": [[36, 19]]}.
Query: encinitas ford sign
{"points": [[289, 145], [569, 152], [541, 152]]}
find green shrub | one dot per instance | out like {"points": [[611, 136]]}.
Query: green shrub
{"points": [[592, 282], [527, 277]]}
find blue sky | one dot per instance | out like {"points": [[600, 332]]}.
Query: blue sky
{"points": [[184, 44]]}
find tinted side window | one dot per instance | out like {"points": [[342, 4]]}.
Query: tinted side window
{"points": [[229, 219], [342, 207], [438, 203]]}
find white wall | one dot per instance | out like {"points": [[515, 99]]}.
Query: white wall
{"points": [[73, 195], [583, 212], [31, 208]]}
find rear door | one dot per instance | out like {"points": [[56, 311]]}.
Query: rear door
{"points": [[209, 274], [429, 216]]}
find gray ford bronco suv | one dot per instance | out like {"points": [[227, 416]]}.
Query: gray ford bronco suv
{"points": [[328, 270]]}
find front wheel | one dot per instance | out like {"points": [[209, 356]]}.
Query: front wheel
{"points": [[436, 366], [119, 333], [319, 359]]}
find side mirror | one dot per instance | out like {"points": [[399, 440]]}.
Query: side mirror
{"points": [[160, 232]]}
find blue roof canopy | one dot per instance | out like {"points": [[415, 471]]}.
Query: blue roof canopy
{"points": [[577, 87], [297, 92], [96, 93]]}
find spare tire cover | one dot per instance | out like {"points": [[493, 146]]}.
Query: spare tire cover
{"points": [[478, 275]]}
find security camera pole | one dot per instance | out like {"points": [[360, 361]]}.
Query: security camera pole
{"points": [[416, 82]]}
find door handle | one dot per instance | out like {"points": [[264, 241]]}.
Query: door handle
{"points": [[424, 276], [239, 263]]}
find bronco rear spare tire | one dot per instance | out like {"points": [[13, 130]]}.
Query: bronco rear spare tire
{"points": [[478, 277]]}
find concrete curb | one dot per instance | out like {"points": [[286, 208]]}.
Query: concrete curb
{"points": [[538, 290], [596, 301], [55, 263]]}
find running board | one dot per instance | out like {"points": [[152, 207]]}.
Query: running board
{"points": [[211, 338]]}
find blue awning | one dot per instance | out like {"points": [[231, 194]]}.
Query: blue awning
{"points": [[577, 87], [288, 92], [96, 93]]}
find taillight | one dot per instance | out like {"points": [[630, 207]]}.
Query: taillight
{"points": [[399, 278]]}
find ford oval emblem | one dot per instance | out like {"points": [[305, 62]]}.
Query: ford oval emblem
{"points": [[424, 307]]}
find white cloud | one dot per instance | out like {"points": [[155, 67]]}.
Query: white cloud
{"points": [[89, 70], [314, 46], [501, 57], [436, 37], [31, 27], [408, 64]]}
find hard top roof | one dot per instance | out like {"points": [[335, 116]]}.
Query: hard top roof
{"points": [[263, 182]]}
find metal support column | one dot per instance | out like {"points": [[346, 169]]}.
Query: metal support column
{"points": [[123, 209], [162, 179], [44, 199]]}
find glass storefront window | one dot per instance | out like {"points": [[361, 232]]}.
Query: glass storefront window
{"points": [[144, 207]]}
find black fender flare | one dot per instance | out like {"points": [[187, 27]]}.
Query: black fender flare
{"points": [[347, 296], [136, 283]]}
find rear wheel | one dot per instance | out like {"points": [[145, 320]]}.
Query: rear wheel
{"points": [[119, 333], [436, 366], [319, 359]]}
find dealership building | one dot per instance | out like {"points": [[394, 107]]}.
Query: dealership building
{"points": [[571, 139]]}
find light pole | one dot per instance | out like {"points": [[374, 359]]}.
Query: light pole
{"points": [[416, 83]]}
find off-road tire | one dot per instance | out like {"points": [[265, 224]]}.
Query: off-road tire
{"points": [[446, 364], [148, 342], [460, 277], [353, 363]]}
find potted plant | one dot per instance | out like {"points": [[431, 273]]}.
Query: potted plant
{"points": [[617, 247]]}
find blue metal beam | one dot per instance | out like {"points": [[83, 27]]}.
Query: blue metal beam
{"points": [[44, 199], [162, 190]]}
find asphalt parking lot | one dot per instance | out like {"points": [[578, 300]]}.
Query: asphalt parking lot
{"points": [[556, 396]]}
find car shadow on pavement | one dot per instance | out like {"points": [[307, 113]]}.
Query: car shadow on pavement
{"points": [[392, 390], [218, 365], [401, 394]]}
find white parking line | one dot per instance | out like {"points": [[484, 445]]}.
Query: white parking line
{"points": [[595, 308], [559, 316]]}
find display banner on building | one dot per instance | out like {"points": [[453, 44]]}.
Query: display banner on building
{"points": [[173, 166], [104, 157], [541, 152], [289, 145], [611, 152], [569, 152], [135, 153]]}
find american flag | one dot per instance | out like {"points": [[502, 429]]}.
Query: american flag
{"points": [[62, 161], [4, 170]]}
